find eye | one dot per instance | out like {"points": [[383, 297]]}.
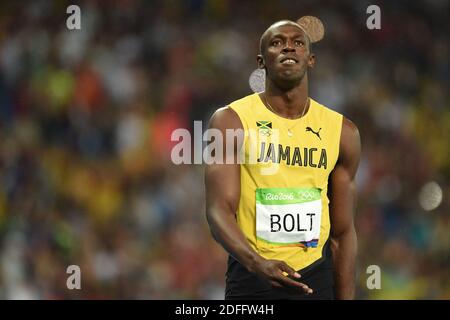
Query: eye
{"points": [[275, 43], [299, 43]]}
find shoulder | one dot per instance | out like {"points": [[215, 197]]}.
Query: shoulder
{"points": [[225, 118], [232, 115], [350, 143], [350, 132]]}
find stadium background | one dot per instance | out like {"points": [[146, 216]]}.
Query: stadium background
{"points": [[86, 117]]}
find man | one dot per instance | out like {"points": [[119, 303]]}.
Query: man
{"points": [[289, 231]]}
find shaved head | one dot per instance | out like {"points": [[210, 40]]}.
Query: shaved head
{"points": [[262, 40]]}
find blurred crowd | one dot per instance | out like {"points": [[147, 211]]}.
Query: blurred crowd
{"points": [[86, 118]]}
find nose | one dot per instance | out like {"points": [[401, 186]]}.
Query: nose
{"points": [[288, 47]]}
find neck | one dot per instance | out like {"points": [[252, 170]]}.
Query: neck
{"points": [[288, 103]]}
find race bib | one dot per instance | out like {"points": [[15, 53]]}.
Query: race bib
{"points": [[288, 216]]}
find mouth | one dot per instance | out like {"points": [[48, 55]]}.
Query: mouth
{"points": [[288, 60]]}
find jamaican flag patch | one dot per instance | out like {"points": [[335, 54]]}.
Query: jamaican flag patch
{"points": [[264, 127]]}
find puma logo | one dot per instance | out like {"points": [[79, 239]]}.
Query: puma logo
{"points": [[316, 133]]}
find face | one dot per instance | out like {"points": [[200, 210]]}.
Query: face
{"points": [[285, 54]]}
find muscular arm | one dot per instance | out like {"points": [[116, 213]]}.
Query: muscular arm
{"points": [[342, 197], [222, 182]]}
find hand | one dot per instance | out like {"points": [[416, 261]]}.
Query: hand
{"points": [[279, 274]]}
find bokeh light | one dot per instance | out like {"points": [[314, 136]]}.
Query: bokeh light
{"points": [[430, 196]]}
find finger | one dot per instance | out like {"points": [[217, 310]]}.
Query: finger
{"points": [[292, 283], [275, 284], [288, 270]]}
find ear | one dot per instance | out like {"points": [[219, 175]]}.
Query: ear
{"points": [[260, 61], [311, 60]]}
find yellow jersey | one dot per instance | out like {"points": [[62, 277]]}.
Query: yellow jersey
{"points": [[283, 209]]}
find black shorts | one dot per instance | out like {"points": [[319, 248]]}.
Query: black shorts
{"points": [[242, 284]]}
